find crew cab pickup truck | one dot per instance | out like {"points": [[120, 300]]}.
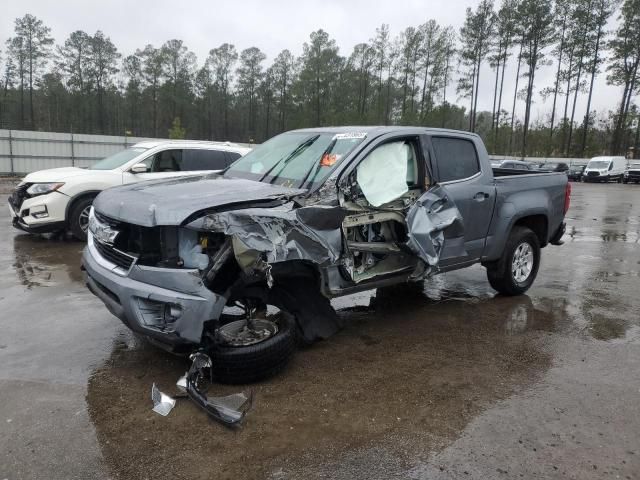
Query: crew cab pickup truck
{"points": [[243, 263]]}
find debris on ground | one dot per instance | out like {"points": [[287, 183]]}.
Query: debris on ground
{"points": [[162, 403], [194, 384]]}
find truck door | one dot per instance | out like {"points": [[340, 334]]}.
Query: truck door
{"points": [[460, 173]]}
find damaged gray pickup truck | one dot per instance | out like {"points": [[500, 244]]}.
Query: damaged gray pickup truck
{"points": [[242, 264]]}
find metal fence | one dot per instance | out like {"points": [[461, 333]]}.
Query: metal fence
{"points": [[24, 152]]}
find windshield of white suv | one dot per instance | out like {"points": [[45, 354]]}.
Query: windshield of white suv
{"points": [[117, 159], [296, 159], [599, 164]]}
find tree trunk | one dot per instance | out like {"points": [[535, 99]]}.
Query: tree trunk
{"points": [[557, 83], [31, 116], [477, 85], [617, 131], [573, 107], [471, 103], [444, 93], [566, 104], [593, 76], [515, 98], [424, 83], [495, 87], [504, 63]]}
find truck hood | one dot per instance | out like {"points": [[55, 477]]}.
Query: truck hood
{"points": [[171, 202], [59, 174]]}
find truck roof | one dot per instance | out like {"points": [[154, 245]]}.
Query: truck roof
{"points": [[383, 129]]}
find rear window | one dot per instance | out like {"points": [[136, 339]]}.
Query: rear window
{"points": [[204, 160], [456, 158]]}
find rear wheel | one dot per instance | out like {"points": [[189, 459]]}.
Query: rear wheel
{"points": [[79, 218], [515, 272]]}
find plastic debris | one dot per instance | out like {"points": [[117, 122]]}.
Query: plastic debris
{"points": [[229, 410], [162, 403]]}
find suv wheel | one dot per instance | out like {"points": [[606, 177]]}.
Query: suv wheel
{"points": [[515, 272], [79, 218]]}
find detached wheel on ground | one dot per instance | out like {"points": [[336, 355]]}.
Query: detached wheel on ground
{"points": [[515, 272], [79, 218], [256, 345]]}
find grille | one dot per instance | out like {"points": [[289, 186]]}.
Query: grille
{"points": [[18, 196], [593, 174], [114, 255]]}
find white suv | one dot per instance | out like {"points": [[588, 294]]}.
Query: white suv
{"points": [[60, 198]]}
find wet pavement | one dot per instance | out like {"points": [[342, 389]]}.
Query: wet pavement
{"points": [[446, 380]]}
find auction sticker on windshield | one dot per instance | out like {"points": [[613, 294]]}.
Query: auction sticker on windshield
{"points": [[340, 136]]}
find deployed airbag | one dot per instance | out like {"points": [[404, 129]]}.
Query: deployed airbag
{"points": [[382, 175]]}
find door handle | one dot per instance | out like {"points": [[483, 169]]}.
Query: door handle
{"points": [[480, 196]]}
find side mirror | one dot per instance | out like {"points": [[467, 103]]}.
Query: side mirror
{"points": [[139, 168]]}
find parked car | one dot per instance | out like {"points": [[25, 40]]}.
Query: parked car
{"points": [[554, 167], [632, 174], [575, 172], [241, 264], [511, 164], [605, 169], [60, 198]]}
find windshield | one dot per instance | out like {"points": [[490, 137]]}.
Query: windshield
{"points": [[599, 164], [296, 159], [117, 159]]}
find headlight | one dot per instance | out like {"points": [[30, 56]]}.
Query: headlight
{"points": [[42, 188]]}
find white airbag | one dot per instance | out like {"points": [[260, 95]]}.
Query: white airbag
{"points": [[382, 176]]}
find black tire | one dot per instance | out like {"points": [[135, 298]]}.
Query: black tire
{"points": [[259, 361], [76, 225], [625, 181], [500, 274]]}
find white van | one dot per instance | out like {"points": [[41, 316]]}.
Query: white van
{"points": [[605, 169]]}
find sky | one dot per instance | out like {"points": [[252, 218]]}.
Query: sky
{"points": [[273, 26]]}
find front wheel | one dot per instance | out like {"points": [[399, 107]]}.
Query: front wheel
{"points": [[516, 270], [79, 218], [257, 344]]}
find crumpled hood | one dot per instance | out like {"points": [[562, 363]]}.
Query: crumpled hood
{"points": [[171, 202]]}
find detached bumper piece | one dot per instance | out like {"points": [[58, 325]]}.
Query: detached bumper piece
{"points": [[229, 410]]}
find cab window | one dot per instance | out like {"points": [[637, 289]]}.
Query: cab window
{"points": [[456, 158]]}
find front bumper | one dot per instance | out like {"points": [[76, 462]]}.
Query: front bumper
{"points": [[40, 214], [143, 296]]}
